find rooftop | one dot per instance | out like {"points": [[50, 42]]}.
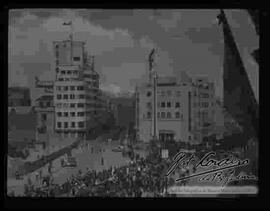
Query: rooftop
{"points": [[45, 97], [21, 109]]}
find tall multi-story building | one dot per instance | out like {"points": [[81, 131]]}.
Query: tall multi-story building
{"points": [[75, 90], [185, 110], [18, 96]]}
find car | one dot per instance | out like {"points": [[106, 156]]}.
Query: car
{"points": [[18, 175], [71, 162], [120, 148]]}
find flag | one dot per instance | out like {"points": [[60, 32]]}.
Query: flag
{"points": [[67, 23], [239, 99], [255, 16], [256, 55]]}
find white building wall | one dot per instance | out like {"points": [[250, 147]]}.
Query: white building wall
{"points": [[188, 128]]}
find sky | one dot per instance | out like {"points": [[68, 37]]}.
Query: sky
{"points": [[121, 40]]}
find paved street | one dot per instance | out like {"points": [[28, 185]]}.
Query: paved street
{"points": [[88, 155]]}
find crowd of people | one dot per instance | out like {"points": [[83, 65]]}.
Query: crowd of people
{"points": [[140, 178]]}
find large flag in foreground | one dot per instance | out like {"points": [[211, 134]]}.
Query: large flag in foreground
{"points": [[239, 99]]}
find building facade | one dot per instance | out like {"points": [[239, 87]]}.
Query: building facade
{"points": [[185, 110], [19, 96], [124, 111], [44, 109], [76, 89]]}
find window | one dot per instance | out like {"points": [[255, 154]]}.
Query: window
{"points": [[148, 115], [72, 88], [56, 46], [57, 62], [162, 93], [60, 79], [163, 104], [65, 124], [162, 115], [44, 117], [68, 72], [57, 53], [63, 72], [81, 96], [178, 93], [59, 124], [148, 94], [168, 115], [72, 105], [58, 88], [81, 124], [59, 97], [59, 114], [177, 115], [41, 104], [65, 88], [72, 124], [80, 105], [48, 104], [80, 88], [168, 104], [59, 105], [177, 105], [80, 113], [65, 114], [149, 105], [76, 58], [65, 96], [72, 114], [72, 96]]}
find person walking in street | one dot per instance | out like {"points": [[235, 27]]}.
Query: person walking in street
{"points": [[102, 161], [37, 176]]}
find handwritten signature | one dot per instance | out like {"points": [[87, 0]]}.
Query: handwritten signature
{"points": [[223, 171]]}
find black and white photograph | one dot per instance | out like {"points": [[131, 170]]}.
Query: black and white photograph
{"points": [[132, 103]]}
